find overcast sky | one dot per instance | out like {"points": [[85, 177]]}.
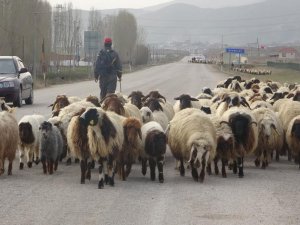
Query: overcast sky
{"points": [[112, 4]]}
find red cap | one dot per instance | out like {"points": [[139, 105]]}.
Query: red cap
{"points": [[107, 40]]}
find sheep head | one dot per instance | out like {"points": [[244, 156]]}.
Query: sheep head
{"points": [[94, 100], [154, 94], [90, 117], [146, 113], [45, 128], [136, 98], [153, 104], [185, 101], [155, 143], [26, 133], [132, 131]]}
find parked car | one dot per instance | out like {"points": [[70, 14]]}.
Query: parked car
{"points": [[16, 83]]}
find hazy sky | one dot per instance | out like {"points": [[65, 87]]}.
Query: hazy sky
{"points": [[112, 4]]}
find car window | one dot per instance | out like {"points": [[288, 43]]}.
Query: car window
{"points": [[7, 66]]}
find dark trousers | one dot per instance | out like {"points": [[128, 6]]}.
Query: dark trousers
{"points": [[107, 84]]}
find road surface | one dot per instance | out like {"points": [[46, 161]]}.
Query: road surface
{"points": [[270, 196]]}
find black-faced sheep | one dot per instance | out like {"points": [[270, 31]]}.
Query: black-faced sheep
{"points": [[136, 98], [293, 138], [157, 112], [51, 145], [153, 149], [185, 101], [244, 127], [30, 138], [9, 137], [192, 137]]}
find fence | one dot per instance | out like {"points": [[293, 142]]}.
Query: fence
{"points": [[292, 66]]}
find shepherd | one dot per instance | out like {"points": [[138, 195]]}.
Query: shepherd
{"points": [[108, 69]]}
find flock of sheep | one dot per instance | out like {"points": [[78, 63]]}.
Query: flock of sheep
{"points": [[236, 119], [252, 71]]}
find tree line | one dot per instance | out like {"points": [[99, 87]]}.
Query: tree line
{"points": [[27, 25]]}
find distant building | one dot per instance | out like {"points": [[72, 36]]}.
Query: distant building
{"points": [[287, 54]]}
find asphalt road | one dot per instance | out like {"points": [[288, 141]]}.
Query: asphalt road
{"points": [[269, 196]]}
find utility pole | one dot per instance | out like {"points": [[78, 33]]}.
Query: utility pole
{"points": [[34, 45]]}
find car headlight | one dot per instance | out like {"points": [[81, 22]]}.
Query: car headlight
{"points": [[7, 84]]}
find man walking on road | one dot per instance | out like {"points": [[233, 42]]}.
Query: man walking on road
{"points": [[108, 69]]}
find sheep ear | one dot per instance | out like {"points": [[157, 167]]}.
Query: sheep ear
{"points": [[194, 99], [51, 105], [162, 97], [129, 96], [177, 98], [244, 102]]}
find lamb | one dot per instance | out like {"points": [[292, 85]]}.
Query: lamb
{"points": [[9, 137], [244, 128], [153, 149], [270, 136], [51, 145], [29, 139], [192, 137], [293, 138]]}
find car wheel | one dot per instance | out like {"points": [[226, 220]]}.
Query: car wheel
{"points": [[18, 102], [29, 101]]}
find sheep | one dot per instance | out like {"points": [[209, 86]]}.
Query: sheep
{"points": [[132, 111], [225, 145], [109, 136], [261, 104], [185, 101], [9, 137], [51, 145], [241, 121], [62, 101], [153, 149], [167, 107], [293, 138], [270, 136], [157, 112], [29, 139], [63, 119], [192, 137]]}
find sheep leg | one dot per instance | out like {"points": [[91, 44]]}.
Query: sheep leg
{"points": [[182, 171], [105, 170], [202, 172], [50, 164], [144, 166], [89, 167], [77, 160], [22, 154], [234, 167], [289, 155], [152, 165], [44, 166], [160, 163], [69, 160], [208, 169], [264, 161], [240, 166], [111, 175], [224, 168], [277, 155], [299, 159], [2, 170], [29, 158], [101, 179], [83, 171], [216, 159], [36, 155], [9, 172], [194, 172], [257, 162]]}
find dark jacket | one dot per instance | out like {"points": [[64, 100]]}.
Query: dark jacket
{"points": [[103, 69]]}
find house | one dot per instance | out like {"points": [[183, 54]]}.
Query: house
{"points": [[287, 54]]}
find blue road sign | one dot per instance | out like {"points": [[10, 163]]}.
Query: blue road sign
{"points": [[235, 50]]}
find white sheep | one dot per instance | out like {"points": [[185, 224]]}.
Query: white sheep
{"points": [[29, 139], [9, 137], [270, 136], [192, 138]]}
